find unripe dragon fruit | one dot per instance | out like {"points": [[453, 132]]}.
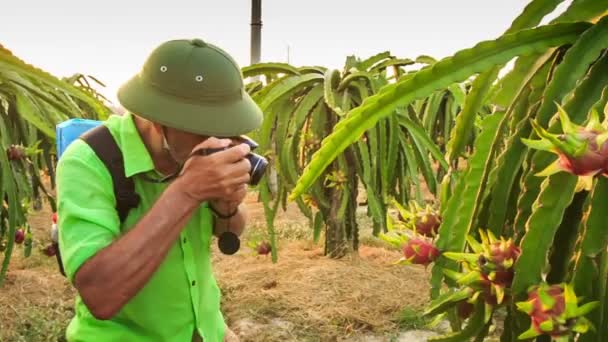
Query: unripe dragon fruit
{"points": [[489, 268], [15, 152], [424, 221], [19, 236], [50, 250], [420, 251], [582, 150], [264, 248], [554, 311]]}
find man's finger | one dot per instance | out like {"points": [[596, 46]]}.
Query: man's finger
{"points": [[233, 154], [212, 142]]}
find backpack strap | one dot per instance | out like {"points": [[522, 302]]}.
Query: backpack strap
{"points": [[103, 144]]}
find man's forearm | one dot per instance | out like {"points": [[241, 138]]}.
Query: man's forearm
{"points": [[115, 274]]}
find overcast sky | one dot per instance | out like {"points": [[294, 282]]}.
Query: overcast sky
{"points": [[110, 39]]}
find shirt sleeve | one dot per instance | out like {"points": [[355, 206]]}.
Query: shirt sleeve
{"points": [[86, 212]]}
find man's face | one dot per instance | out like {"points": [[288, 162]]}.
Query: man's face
{"points": [[182, 143]]}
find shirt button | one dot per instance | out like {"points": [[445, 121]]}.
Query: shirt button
{"points": [[193, 282]]}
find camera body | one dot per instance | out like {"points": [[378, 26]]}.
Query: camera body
{"points": [[258, 163]]}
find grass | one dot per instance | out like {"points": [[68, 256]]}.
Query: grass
{"points": [[411, 318], [40, 323], [304, 297]]}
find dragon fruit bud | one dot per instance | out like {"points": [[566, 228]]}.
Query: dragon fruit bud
{"points": [[19, 236], [15, 152], [420, 251]]}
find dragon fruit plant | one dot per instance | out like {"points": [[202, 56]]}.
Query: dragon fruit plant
{"points": [[560, 230]]}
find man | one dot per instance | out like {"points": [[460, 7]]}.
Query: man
{"points": [[149, 278]]}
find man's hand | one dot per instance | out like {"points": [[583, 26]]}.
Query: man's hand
{"points": [[221, 176]]}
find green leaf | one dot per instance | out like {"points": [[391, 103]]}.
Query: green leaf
{"points": [[458, 223], [556, 195], [332, 81], [429, 118], [475, 326], [448, 71], [355, 76], [587, 278], [579, 10], [465, 120], [269, 68], [447, 300], [424, 59], [574, 66], [371, 61], [565, 240], [412, 165], [8, 61], [32, 113], [391, 62], [284, 87]]}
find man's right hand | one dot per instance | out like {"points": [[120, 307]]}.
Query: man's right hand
{"points": [[221, 175]]}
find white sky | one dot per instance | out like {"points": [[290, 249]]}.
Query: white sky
{"points": [[110, 39]]}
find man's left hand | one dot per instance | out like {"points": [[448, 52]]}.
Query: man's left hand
{"points": [[229, 204]]}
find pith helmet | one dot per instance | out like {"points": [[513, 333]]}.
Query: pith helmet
{"points": [[194, 86]]}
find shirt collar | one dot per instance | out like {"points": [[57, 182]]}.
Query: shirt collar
{"points": [[136, 157]]}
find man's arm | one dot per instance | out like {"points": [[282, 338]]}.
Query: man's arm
{"points": [[116, 273]]}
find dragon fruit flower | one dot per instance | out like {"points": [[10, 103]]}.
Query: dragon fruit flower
{"points": [[582, 150]]}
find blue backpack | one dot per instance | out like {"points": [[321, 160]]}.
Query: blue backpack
{"points": [[101, 141]]}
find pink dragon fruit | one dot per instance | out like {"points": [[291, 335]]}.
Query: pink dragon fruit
{"points": [[19, 236], [420, 251], [582, 151], [554, 311], [490, 267]]}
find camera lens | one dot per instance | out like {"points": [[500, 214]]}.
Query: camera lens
{"points": [[258, 167]]}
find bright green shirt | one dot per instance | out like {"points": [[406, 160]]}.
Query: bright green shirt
{"points": [[181, 296]]}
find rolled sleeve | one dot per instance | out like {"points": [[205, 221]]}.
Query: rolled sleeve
{"points": [[87, 217]]}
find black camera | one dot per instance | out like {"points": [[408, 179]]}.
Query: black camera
{"points": [[258, 163]]}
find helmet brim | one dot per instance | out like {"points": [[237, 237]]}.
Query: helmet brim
{"points": [[234, 118]]}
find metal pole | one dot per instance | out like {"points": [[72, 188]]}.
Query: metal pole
{"points": [[256, 30]]}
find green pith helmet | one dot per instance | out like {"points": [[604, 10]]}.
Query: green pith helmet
{"points": [[192, 86]]}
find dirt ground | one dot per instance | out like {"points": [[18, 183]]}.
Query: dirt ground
{"points": [[302, 297]]}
